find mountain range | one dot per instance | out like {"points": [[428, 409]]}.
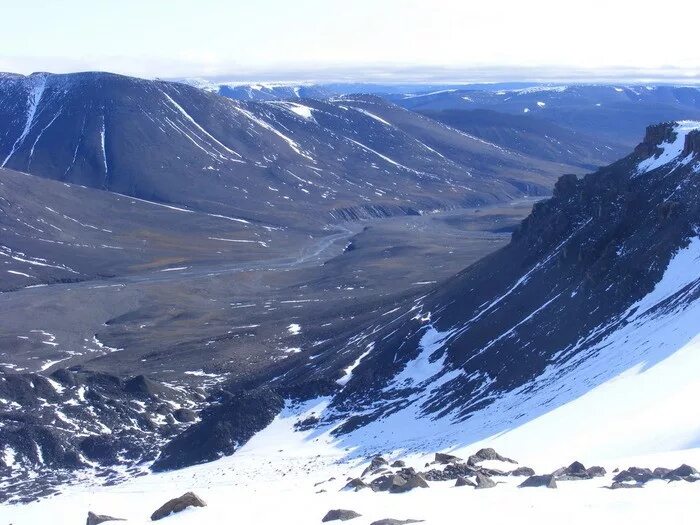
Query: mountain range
{"points": [[304, 280]]}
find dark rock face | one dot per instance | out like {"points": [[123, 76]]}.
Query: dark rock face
{"points": [[222, 429], [655, 135], [398, 464], [540, 481], [340, 515], [189, 499], [692, 144], [88, 400], [96, 519]]}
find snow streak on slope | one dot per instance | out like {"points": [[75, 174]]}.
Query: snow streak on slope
{"points": [[35, 94], [194, 122]]}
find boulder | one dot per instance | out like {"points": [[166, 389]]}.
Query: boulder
{"points": [[577, 471], [96, 519], [596, 472], [639, 475], [398, 464], [484, 482], [661, 472], [446, 459], [405, 483], [397, 483], [683, 471], [185, 415], [522, 471], [464, 482], [340, 515], [487, 454], [355, 484], [546, 480], [377, 463], [188, 499]]}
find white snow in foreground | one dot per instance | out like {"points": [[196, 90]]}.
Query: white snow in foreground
{"points": [[276, 478], [294, 329], [671, 151]]}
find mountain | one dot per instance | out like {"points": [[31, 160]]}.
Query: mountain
{"points": [[608, 112], [532, 136], [261, 92], [577, 340], [312, 160], [598, 284]]}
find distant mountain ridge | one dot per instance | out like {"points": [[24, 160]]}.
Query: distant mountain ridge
{"points": [[262, 161]]}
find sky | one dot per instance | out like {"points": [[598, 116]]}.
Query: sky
{"points": [[358, 40]]}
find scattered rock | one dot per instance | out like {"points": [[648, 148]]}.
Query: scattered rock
{"points": [[340, 515], [96, 519], [622, 485], [661, 472], [522, 471], [185, 415], [484, 482], [546, 480], [464, 482], [404, 483], [596, 472], [189, 499], [683, 471], [355, 484], [398, 464], [400, 482], [446, 459], [577, 471], [487, 454], [639, 475], [377, 463]]}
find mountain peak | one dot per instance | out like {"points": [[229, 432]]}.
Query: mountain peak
{"points": [[668, 142]]}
